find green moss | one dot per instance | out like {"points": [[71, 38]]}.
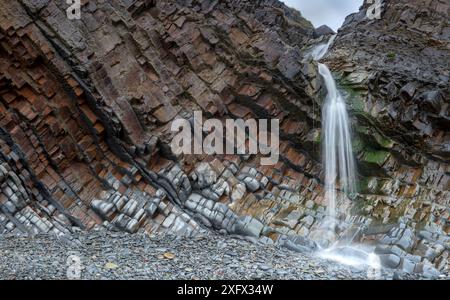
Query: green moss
{"points": [[358, 144], [362, 129], [383, 141], [391, 55], [371, 136], [354, 98], [358, 206], [362, 184], [317, 137], [369, 185], [356, 102], [375, 157]]}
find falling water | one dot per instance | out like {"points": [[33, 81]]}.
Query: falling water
{"points": [[337, 146], [319, 51], [339, 167]]}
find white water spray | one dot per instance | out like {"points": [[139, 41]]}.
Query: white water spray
{"points": [[320, 50]]}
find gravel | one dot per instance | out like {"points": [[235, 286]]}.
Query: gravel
{"points": [[111, 255]]}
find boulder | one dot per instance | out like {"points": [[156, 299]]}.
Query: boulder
{"points": [[252, 184], [238, 192], [126, 223], [407, 92], [297, 243], [151, 208], [406, 241], [390, 260], [205, 175], [308, 220], [103, 208], [408, 266], [248, 226], [431, 101], [385, 249], [292, 218]]}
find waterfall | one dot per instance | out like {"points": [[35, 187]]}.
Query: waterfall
{"points": [[338, 158], [339, 165], [337, 145], [319, 51]]}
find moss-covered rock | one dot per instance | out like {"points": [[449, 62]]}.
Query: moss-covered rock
{"points": [[375, 157]]}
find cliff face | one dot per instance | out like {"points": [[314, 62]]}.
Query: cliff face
{"points": [[395, 72], [87, 105], [86, 110]]}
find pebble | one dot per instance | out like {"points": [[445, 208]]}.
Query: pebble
{"points": [[163, 257]]}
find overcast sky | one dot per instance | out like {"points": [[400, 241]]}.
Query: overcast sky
{"points": [[328, 12]]}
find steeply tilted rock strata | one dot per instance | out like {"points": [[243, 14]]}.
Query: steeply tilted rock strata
{"points": [[395, 72]]}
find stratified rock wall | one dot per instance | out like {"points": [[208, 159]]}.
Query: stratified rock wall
{"points": [[86, 108], [87, 105], [395, 72]]}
